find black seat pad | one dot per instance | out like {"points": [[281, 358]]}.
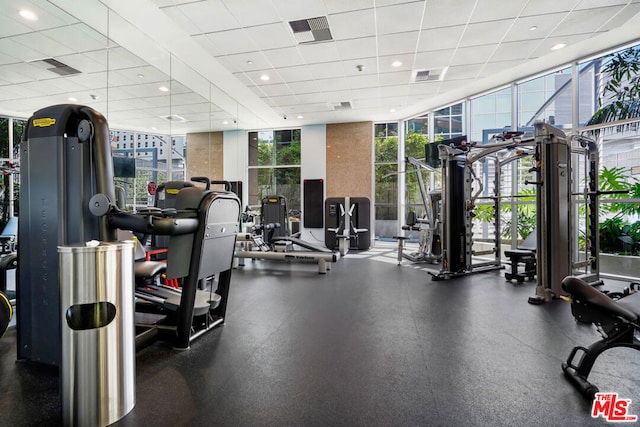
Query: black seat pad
{"points": [[580, 290]]}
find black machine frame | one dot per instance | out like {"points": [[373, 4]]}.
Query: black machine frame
{"points": [[68, 196]]}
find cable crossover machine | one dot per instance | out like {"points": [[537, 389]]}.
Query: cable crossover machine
{"points": [[566, 174]]}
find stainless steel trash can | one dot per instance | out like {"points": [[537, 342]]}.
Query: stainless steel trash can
{"points": [[98, 332]]}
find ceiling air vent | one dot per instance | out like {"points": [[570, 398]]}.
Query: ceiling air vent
{"points": [[55, 66], [174, 118], [311, 30], [344, 105], [435, 74]]}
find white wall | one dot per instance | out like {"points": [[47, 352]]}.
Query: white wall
{"points": [[313, 161], [236, 159]]}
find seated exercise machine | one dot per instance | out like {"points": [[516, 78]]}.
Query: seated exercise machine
{"points": [[617, 321], [428, 225], [347, 223], [271, 240], [201, 227], [68, 196]]}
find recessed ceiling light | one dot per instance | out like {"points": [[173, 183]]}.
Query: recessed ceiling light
{"points": [[393, 110], [140, 76], [264, 77], [533, 28], [72, 99], [28, 14], [249, 62], [225, 122], [559, 46], [301, 117], [163, 89], [396, 63]]}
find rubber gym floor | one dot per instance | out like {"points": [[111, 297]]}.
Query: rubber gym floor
{"points": [[368, 344]]}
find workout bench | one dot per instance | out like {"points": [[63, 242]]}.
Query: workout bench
{"points": [[524, 254], [617, 322]]}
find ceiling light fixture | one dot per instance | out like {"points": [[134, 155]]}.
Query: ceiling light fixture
{"points": [[559, 46], [28, 14], [72, 99], [264, 77], [393, 110], [249, 62], [301, 117], [533, 28], [225, 122], [163, 89], [396, 63], [140, 76]]}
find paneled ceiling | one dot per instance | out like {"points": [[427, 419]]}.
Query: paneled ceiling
{"points": [[230, 64]]}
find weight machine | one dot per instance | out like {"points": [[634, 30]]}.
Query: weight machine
{"points": [[557, 163]]}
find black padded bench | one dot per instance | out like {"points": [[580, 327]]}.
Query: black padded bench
{"points": [[617, 321], [525, 254]]}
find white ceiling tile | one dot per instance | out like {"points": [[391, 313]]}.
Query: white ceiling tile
{"points": [[385, 62], [442, 38], [588, 4], [337, 84], [492, 10], [79, 37], [621, 18], [365, 81], [296, 74], [310, 98], [542, 7], [462, 72], [435, 59], [349, 25], [228, 42], [293, 10], [400, 18], [515, 50], [11, 27], [545, 46], [544, 25], [394, 90], [398, 43], [276, 90], [365, 93], [281, 101], [271, 36], [82, 62], [337, 6], [585, 21], [285, 57], [208, 16], [473, 55], [240, 62], [250, 12], [397, 78], [45, 46], [328, 70], [304, 87], [254, 76], [494, 67], [319, 52], [368, 66], [12, 51], [357, 48], [441, 13], [122, 58], [485, 32]]}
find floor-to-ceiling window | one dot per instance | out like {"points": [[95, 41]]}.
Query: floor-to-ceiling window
{"points": [[386, 179], [274, 166]]}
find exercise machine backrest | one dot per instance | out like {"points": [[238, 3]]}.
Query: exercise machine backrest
{"points": [[274, 210], [166, 196], [65, 159]]}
